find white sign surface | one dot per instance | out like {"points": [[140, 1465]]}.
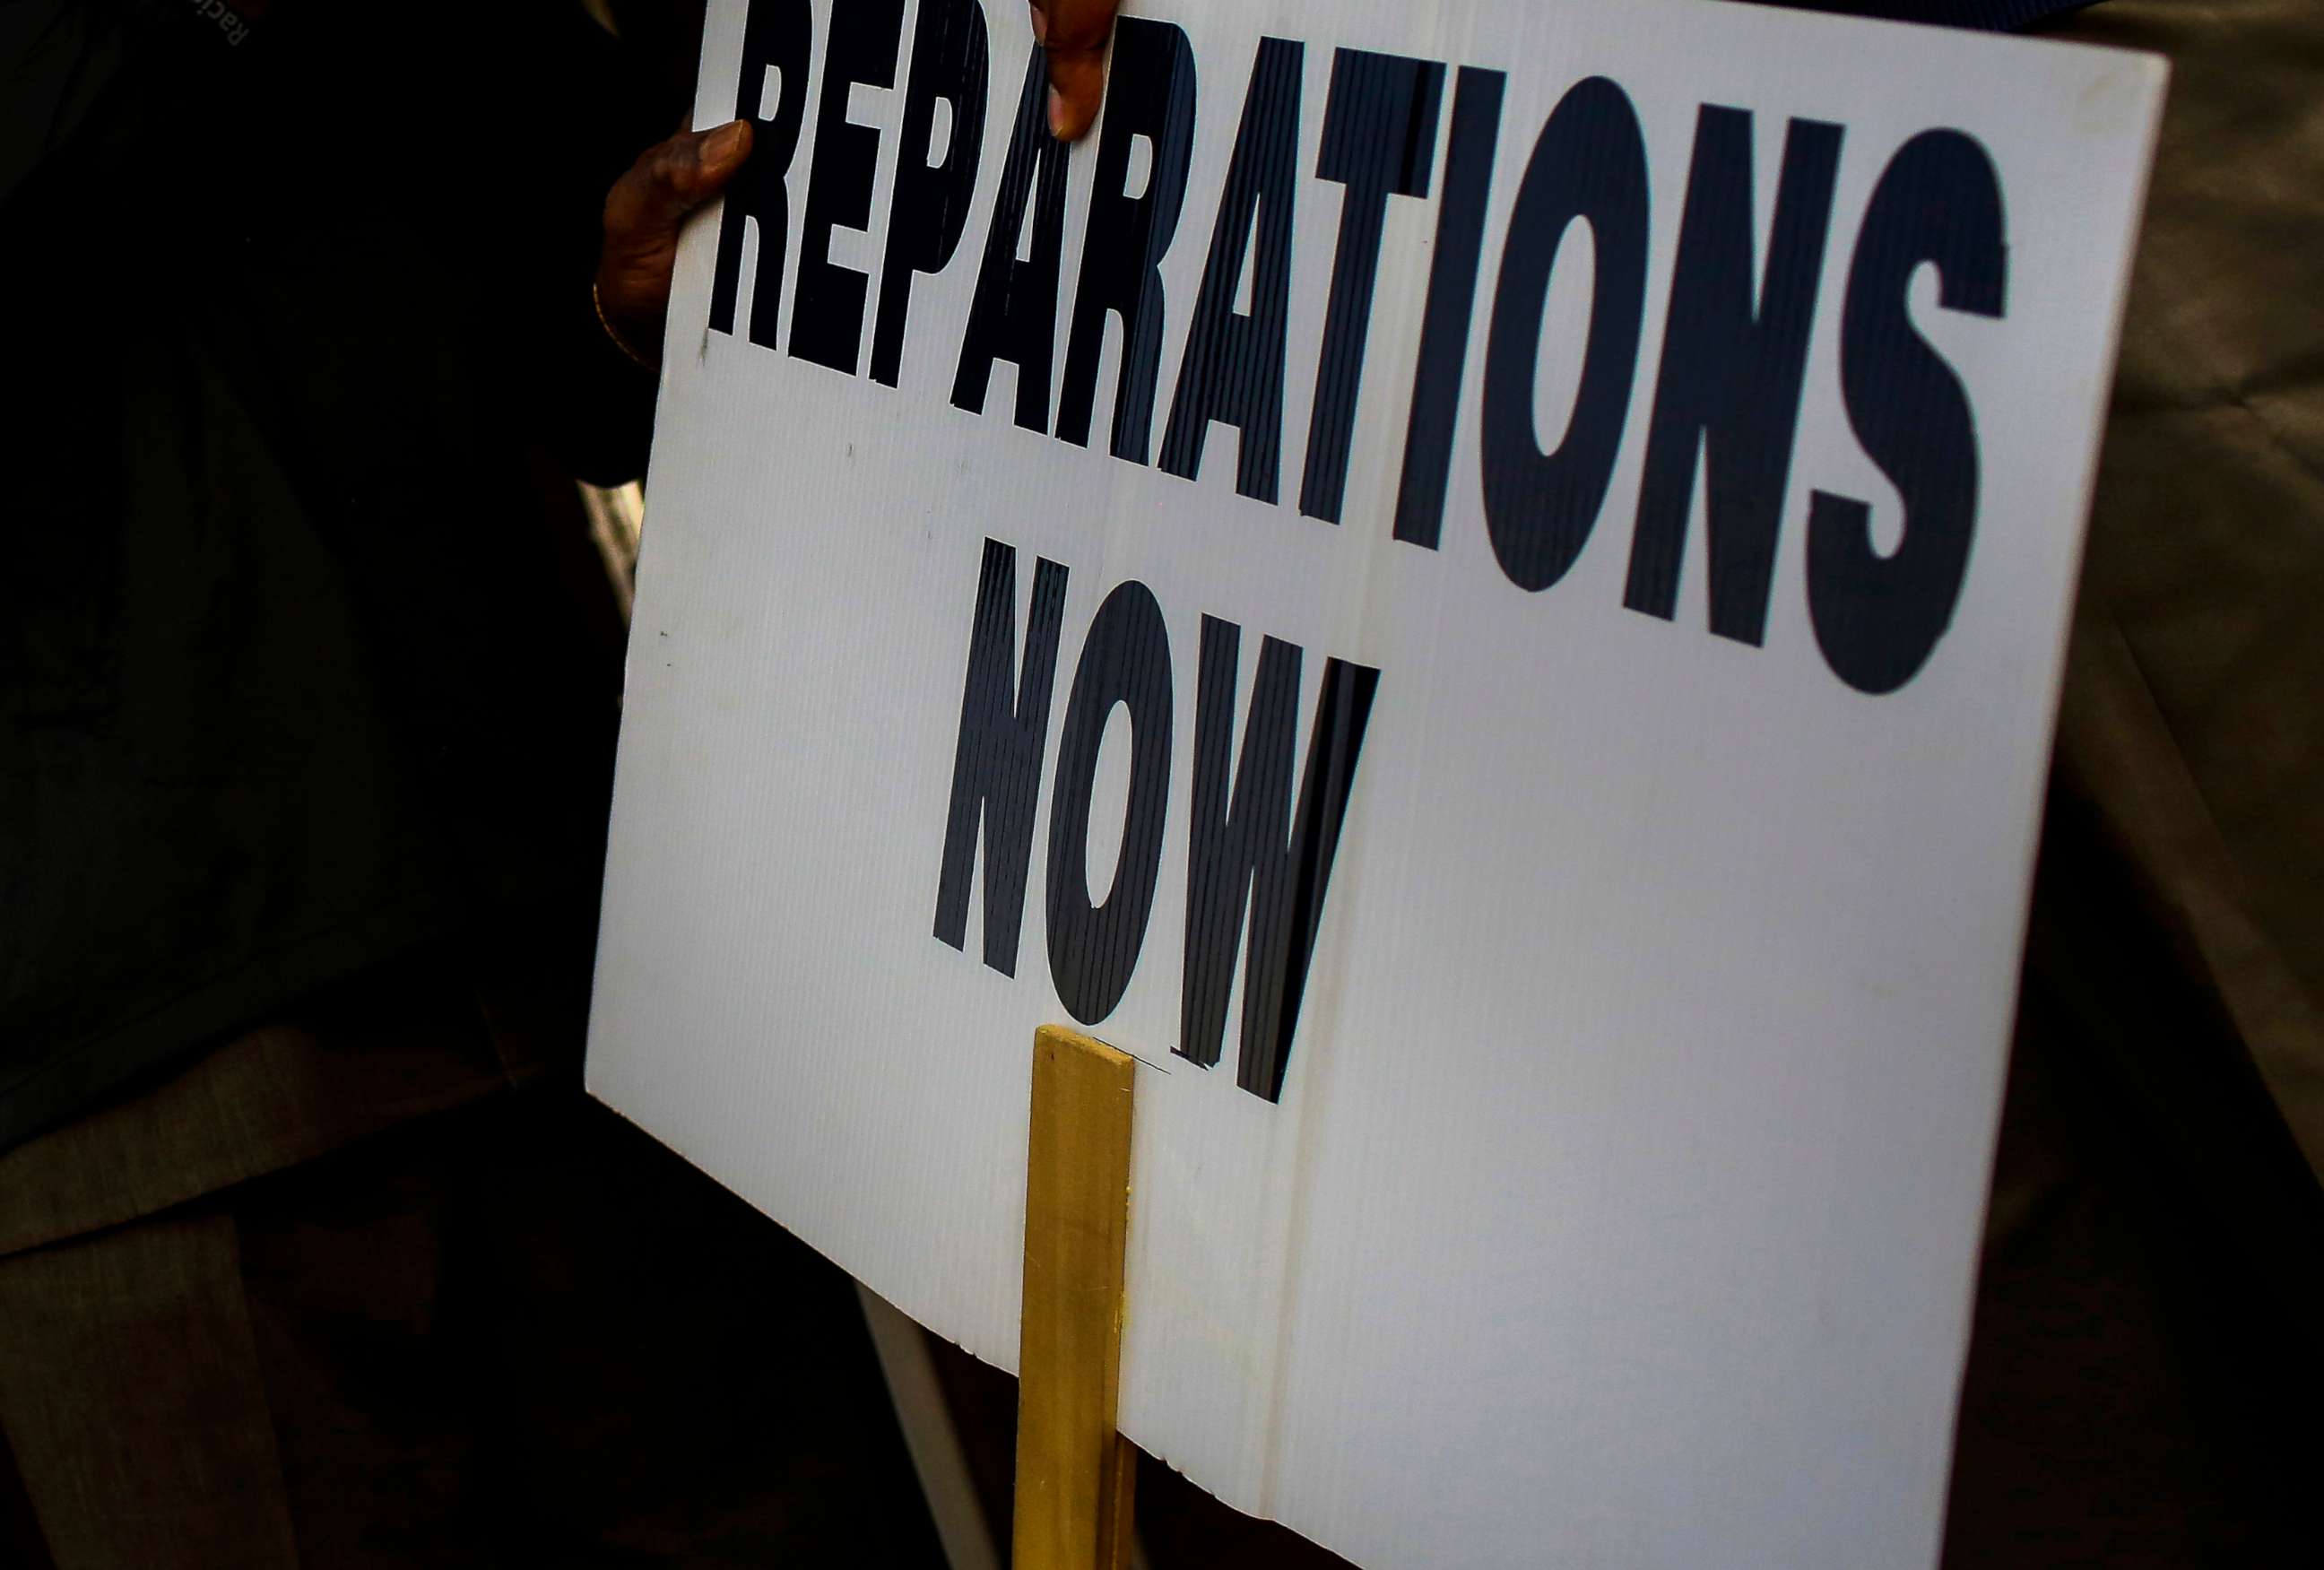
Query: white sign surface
{"points": [[1299, 489]]}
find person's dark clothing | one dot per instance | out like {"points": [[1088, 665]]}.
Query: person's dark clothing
{"points": [[287, 680], [519, 1335], [303, 746]]}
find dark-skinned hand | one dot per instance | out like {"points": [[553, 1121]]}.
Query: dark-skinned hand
{"points": [[649, 205], [643, 214]]}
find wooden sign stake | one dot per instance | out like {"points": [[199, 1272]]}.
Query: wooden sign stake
{"points": [[1075, 1475]]}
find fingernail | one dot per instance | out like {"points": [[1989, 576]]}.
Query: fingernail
{"points": [[1057, 113], [725, 143], [1040, 25]]}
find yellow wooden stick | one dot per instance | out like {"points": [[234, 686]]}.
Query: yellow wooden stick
{"points": [[1075, 1474]]}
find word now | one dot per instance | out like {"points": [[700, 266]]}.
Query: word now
{"points": [[1246, 845]]}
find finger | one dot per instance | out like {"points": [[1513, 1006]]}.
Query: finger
{"points": [[671, 180], [1074, 32], [1076, 88]]}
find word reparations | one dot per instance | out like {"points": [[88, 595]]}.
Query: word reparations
{"points": [[1726, 399], [1722, 413]]}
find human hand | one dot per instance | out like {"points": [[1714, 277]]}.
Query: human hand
{"points": [[648, 205], [643, 214], [1074, 32]]}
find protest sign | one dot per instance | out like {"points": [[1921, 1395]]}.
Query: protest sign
{"points": [[1481, 586]]}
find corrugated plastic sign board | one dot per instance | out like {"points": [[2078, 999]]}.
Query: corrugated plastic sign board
{"points": [[1250, 587]]}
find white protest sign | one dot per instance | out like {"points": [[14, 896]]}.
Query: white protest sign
{"points": [[1249, 586]]}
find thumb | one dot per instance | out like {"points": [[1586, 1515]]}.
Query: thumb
{"points": [[643, 213], [647, 204], [1074, 33]]}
